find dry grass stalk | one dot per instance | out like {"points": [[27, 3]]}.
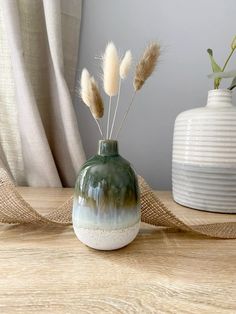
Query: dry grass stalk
{"points": [[113, 74], [146, 65], [124, 71]]}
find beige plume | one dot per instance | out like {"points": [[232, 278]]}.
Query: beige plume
{"points": [[85, 87], [125, 64], [96, 106], [111, 70], [90, 94], [146, 65]]}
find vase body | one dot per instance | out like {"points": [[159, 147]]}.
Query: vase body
{"points": [[204, 155], [106, 209]]}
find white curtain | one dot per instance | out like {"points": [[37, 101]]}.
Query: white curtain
{"points": [[40, 143]]}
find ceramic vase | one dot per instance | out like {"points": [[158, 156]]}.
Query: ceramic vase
{"points": [[204, 155], [106, 209]]}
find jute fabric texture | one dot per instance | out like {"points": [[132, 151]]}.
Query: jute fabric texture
{"points": [[15, 210], [40, 142]]}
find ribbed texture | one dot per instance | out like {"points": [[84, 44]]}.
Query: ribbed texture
{"points": [[204, 155], [205, 187], [219, 97]]}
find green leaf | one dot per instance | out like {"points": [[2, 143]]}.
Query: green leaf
{"points": [[215, 68], [214, 65], [210, 51], [228, 74], [233, 84]]}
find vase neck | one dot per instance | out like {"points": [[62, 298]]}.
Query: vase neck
{"points": [[108, 148], [219, 98]]}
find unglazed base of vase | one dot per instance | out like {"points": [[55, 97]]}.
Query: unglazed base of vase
{"points": [[107, 239]]}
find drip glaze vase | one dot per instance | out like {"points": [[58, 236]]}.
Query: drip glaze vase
{"points": [[204, 155], [106, 208]]}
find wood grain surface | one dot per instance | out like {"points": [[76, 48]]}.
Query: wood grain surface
{"points": [[47, 270]]}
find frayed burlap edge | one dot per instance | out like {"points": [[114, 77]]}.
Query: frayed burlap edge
{"points": [[15, 210]]}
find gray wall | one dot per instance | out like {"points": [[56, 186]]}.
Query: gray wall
{"points": [[185, 29]]}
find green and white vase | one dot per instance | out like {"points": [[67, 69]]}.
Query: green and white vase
{"points": [[106, 209]]}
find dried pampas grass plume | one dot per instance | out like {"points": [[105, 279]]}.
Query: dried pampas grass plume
{"points": [[85, 90], [96, 106], [114, 72], [90, 94], [111, 70], [146, 65], [125, 65]]}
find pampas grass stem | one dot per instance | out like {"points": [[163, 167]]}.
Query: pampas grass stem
{"points": [[117, 104], [124, 71], [99, 128], [108, 117], [126, 114]]}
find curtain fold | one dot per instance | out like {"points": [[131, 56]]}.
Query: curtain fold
{"points": [[49, 143]]}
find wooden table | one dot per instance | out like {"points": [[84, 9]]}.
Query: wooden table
{"points": [[47, 270]]}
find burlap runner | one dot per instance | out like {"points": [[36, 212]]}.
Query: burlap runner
{"points": [[15, 210]]}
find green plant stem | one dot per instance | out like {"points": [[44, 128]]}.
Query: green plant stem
{"points": [[227, 60], [218, 80], [216, 83]]}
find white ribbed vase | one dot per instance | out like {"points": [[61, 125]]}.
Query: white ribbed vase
{"points": [[204, 155]]}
